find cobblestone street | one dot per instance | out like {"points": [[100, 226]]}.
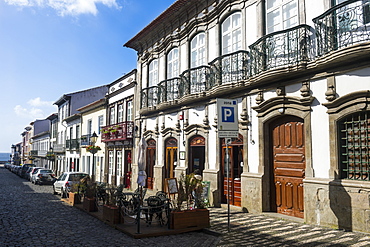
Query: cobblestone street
{"points": [[30, 215]]}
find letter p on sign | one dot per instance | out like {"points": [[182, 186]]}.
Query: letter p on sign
{"points": [[227, 114]]}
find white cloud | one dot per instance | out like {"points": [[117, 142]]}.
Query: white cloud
{"points": [[35, 109], [38, 102], [67, 7]]}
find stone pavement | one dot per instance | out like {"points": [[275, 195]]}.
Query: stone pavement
{"points": [[30, 215]]}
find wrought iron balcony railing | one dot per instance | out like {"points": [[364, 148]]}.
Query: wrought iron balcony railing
{"points": [[280, 49], [118, 132], [343, 25], [72, 144], [149, 97], [85, 140], [169, 90], [59, 148], [195, 80], [229, 68]]}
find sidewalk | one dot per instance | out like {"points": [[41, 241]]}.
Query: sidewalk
{"points": [[277, 230]]}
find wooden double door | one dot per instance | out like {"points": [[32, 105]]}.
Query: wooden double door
{"points": [[288, 162]]}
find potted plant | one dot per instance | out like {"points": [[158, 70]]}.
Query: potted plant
{"points": [[111, 212], [189, 186], [74, 196], [89, 191]]}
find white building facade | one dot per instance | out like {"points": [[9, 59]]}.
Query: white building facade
{"points": [[299, 71]]}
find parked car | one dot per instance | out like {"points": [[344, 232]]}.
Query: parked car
{"points": [[32, 172], [23, 170], [44, 176], [63, 184]]}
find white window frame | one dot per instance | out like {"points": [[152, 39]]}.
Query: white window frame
{"points": [[120, 113], [119, 163], [129, 110], [231, 30], [111, 162], [281, 21], [198, 50], [153, 73], [173, 63], [112, 116]]}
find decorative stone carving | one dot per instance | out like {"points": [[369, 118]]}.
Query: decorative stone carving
{"points": [[280, 91], [259, 98], [330, 93], [305, 89]]}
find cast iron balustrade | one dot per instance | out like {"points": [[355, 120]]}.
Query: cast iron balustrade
{"points": [[229, 68], [72, 144], [343, 25], [85, 140], [149, 97], [117, 132], [169, 90], [289, 47], [59, 148], [195, 80]]}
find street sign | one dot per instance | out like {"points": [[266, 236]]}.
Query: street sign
{"points": [[227, 123]]}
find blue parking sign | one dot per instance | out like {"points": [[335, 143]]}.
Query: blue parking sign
{"points": [[228, 114]]}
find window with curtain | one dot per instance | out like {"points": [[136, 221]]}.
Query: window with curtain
{"points": [[231, 34], [119, 163], [281, 15], [110, 162]]}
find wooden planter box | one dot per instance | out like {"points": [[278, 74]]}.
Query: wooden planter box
{"points": [[198, 218], [74, 198], [89, 204], [111, 214]]}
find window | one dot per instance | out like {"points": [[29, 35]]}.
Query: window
{"points": [[281, 14], [119, 163], [111, 116], [197, 49], [153, 73], [100, 122], [173, 63], [77, 131], [120, 113], [111, 161], [129, 110], [89, 127], [354, 132], [71, 133], [231, 34]]}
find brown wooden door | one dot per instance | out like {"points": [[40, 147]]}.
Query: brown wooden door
{"points": [[171, 157], [236, 157], [150, 161], [288, 166]]}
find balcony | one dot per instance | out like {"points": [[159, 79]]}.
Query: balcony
{"points": [[195, 80], [59, 148], [169, 90], [344, 25], [229, 68], [85, 140], [72, 144], [291, 47], [149, 97], [118, 132]]}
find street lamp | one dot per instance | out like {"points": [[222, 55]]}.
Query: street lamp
{"points": [[93, 139]]}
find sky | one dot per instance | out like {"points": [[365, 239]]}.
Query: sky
{"points": [[53, 47]]}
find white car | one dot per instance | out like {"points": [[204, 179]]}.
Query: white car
{"points": [[43, 176], [63, 184]]}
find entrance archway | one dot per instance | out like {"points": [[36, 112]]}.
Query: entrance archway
{"points": [[288, 165], [170, 158], [150, 162], [236, 169], [196, 154]]}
